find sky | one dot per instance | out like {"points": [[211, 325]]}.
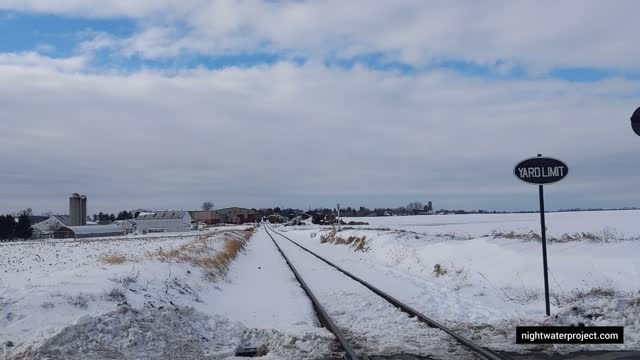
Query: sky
{"points": [[166, 104]]}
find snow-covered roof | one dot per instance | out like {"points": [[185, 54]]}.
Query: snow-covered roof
{"points": [[129, 221], [162, 215], [234, 208], [95, 229], [145, 213], [52, 223], [126, 224], [65, 219]]}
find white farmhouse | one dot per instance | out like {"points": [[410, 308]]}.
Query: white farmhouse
{"points": [[164, 221]]}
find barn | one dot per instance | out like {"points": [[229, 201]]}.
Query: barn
{"points": [[82, 232], [45, 229], [236, 215], [164, 221], [207, 217]]}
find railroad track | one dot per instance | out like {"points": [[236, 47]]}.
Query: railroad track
{"points": [[351, 353]]}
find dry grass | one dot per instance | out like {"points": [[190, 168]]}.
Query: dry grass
{"points": [[80, 300], [115, 294], [113, 259], [605, 235], [596, 292], [358, 243], [127, 280], [199, 252], [439, 270], [581, 295]]}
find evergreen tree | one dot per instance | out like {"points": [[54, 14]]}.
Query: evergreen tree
{"points": [[23, 228], [124, 215], [7, 227]]}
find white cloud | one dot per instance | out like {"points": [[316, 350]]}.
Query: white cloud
{"points": [[291, 133], [100, 8], [36, 60], [538, 34]]}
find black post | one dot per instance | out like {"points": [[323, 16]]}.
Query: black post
{"points": [[543, 231]]}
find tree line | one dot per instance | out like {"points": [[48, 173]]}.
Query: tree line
{"points": [[11, 230], [413, 208], [104, 217]]}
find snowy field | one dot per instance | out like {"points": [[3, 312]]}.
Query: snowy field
{"points": [[482, 274], [179, 296], [203, 295]]}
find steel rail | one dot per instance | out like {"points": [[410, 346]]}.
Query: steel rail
{"points": [[323, 316], [477, 349]]}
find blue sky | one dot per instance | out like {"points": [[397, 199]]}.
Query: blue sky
{"points": [[60, 36], [407, 88]]}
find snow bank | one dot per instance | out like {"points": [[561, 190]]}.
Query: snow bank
{"points": [[47, 285], [164, 333], [460, 270], [142, 297]]}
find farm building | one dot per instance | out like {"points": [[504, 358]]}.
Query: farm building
{"points": [[207, 217], [232, 215], [46, 228], [164, 221], [81, 232], [236, 215], [129, 226]]}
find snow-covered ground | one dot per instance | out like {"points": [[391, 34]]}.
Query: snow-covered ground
{"points": [[482, 274], [182, 296], [153, 298], [372, 325]]}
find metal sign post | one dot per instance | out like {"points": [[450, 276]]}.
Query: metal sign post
{"points": [[542, 170], [543, 233]]}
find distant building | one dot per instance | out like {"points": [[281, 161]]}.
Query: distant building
{"points": [[163, 221], [129, 226], [277, 219], [236, 215], [46, 228], [232, 215], [138, 212], [207, 217], [82, 232]]}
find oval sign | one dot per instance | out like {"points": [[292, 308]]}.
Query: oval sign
{"points": [[541, 170]]}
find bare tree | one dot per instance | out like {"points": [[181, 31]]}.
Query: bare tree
{"points": [[207, 205], [415, 206]]}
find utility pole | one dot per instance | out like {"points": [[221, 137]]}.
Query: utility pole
{"points": [[338, 217]]}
